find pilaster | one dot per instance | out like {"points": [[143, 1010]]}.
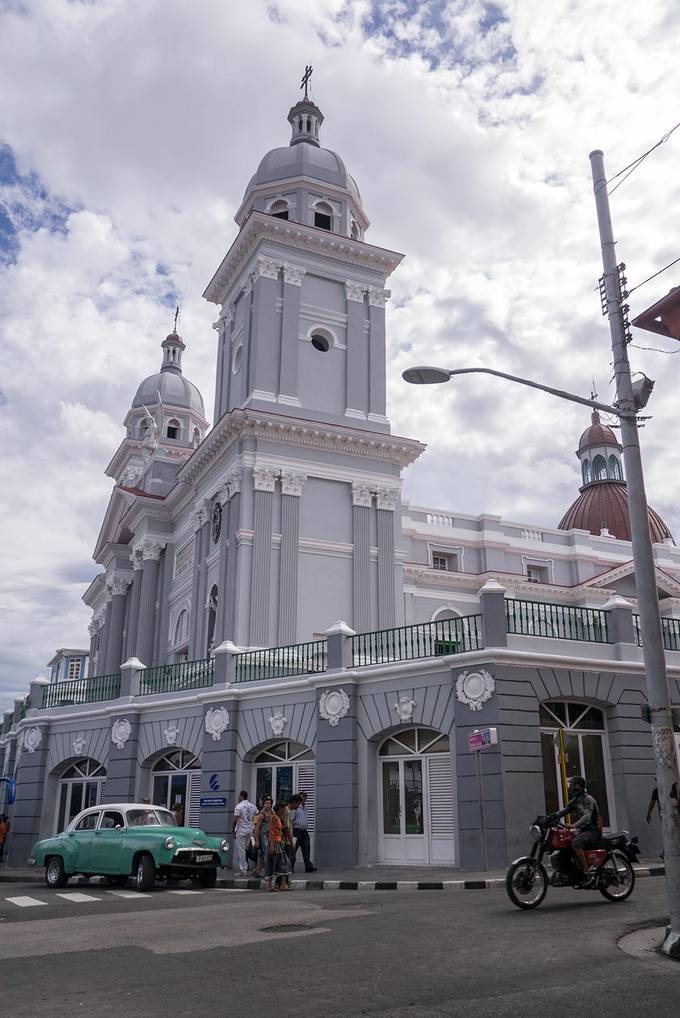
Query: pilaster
{"points": [[218, 765], [290, 325], [264, 482], [362, 500], [266, 286], [117, 587], [134, 598], [386, 502], [357, 347], [377, 298], [151, 553], [336, 778], [200, 519], [291, 491]]}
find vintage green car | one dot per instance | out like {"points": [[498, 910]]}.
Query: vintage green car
{"points": [[123, 840]]}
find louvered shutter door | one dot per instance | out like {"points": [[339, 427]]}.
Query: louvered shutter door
{"points": [[306, 782], [193, 818], [440, 802]]}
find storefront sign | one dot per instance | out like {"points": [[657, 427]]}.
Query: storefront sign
{"points": [[213, 802], [482, 739]]}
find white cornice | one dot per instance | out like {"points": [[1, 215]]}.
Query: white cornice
{"points": [[293, 431], [260, 227]]}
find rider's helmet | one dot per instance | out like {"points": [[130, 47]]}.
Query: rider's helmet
{"points": [[577, 785]]}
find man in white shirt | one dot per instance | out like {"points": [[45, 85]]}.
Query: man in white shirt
{"points": [[243, 827]]}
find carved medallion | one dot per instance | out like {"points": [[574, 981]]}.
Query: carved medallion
{"points": [[78, 745], [32, 739], [277, 723], [474, 688], [333, 706], [216, 722], [404, 707], [121, 730], [171, 733]]}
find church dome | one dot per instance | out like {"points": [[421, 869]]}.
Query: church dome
{"points": [[174, 389], [304, 160], [604, 505]]}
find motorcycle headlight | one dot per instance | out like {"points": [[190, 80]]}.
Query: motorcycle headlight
{"points": [[170, 842], [535, 832], [225, 846]]}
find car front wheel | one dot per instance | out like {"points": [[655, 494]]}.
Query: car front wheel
{"points": [[208, 878], [145, 873], [55, 874]]}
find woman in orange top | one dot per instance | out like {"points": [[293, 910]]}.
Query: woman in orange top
{"points": [[278, 862]]}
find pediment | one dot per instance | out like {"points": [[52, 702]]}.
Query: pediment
{"points": [[621, 580], [119, 503]]}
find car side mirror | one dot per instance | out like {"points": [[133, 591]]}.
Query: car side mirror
{"points": [[118, 827]]}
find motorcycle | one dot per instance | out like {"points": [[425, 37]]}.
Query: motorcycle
{"points": [[609, 869]]}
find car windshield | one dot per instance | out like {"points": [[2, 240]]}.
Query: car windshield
{"points": [[142, 818], [166, 818]]}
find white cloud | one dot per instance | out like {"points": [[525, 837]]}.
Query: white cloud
{"points": [[467, 126]]}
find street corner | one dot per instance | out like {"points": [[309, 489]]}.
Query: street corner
{"points": [[652, 943]]}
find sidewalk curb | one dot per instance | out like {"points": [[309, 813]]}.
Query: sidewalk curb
{"points": [[492, 883], [257, 884]]}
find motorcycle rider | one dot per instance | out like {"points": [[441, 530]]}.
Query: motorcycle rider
{"points": [[587, 825]]}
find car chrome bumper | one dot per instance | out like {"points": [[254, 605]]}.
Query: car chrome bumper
{"points": [[30, 861]]}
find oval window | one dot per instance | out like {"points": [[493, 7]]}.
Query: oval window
{"points": [[237, 359]]}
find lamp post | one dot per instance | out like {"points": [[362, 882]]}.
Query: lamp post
{"points": [[630, 399]]}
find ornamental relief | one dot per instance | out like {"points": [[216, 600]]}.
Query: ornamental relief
{"points": [[334, 706], [216, 722], [475, 688]]}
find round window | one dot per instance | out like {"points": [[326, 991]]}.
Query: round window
{"points": [[237, 359], [320, 342]]}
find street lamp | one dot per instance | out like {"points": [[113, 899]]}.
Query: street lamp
{"points": [[631, 399]]}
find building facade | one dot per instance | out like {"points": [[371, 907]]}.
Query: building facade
{"points": [[228, 553]]}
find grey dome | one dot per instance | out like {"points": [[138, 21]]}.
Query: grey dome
{"points": [[304, 159], [175, 390]]}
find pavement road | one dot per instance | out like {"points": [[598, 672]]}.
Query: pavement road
{"points": [[93, 951]]}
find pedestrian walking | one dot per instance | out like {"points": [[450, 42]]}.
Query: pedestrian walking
{"points": [[4, 833], [286, 817], [301, 838], [261, 834], [278, 859], [243, 827]]}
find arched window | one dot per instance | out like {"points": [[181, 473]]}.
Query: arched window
{"points": [[80, 786], [585, 470], [574, 741], [173, 428], [323, 216], [284, 768], [279, 209], [614, 468], [181, 628], [176, 785], [599, 468]]}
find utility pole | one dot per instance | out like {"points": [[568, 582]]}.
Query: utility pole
{"points": [[658, 694]]}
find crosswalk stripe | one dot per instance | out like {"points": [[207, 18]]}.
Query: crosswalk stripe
{"points": [[185, 892], [129, 894], [77, 896], [24, 901]]}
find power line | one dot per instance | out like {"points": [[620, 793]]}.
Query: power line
{"points": [[649, 278], [631, 167]]}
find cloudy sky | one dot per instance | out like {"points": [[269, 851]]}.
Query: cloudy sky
{"points": [[128, 131]]}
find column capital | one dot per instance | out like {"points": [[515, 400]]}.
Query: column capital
{"points": [[231, 485], [293, 274], [292, 483], [200, 515], [355, 291], [387, 498], [225, 319], [377, 297], [151, 550], [266, 267], [264, 479], [362, 494], [136, 558], [118, 583]]}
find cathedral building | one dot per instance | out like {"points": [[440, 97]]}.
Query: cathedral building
{"points": [[270, 614]]}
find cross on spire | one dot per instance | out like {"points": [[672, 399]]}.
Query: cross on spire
{"points": [[176, 317], [305, 79]]}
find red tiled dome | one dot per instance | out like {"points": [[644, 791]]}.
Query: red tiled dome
{"points": [[605, 504], [597, 434]]}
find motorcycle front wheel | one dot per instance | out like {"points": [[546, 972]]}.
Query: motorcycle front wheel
{"points": [[616, 878], [526, 883]]}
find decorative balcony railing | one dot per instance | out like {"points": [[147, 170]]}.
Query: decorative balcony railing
{"points": [[279, 662], [670, 631], [25, 707], [561, 621], [94, 690], [177, 677], [426, 639]]}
